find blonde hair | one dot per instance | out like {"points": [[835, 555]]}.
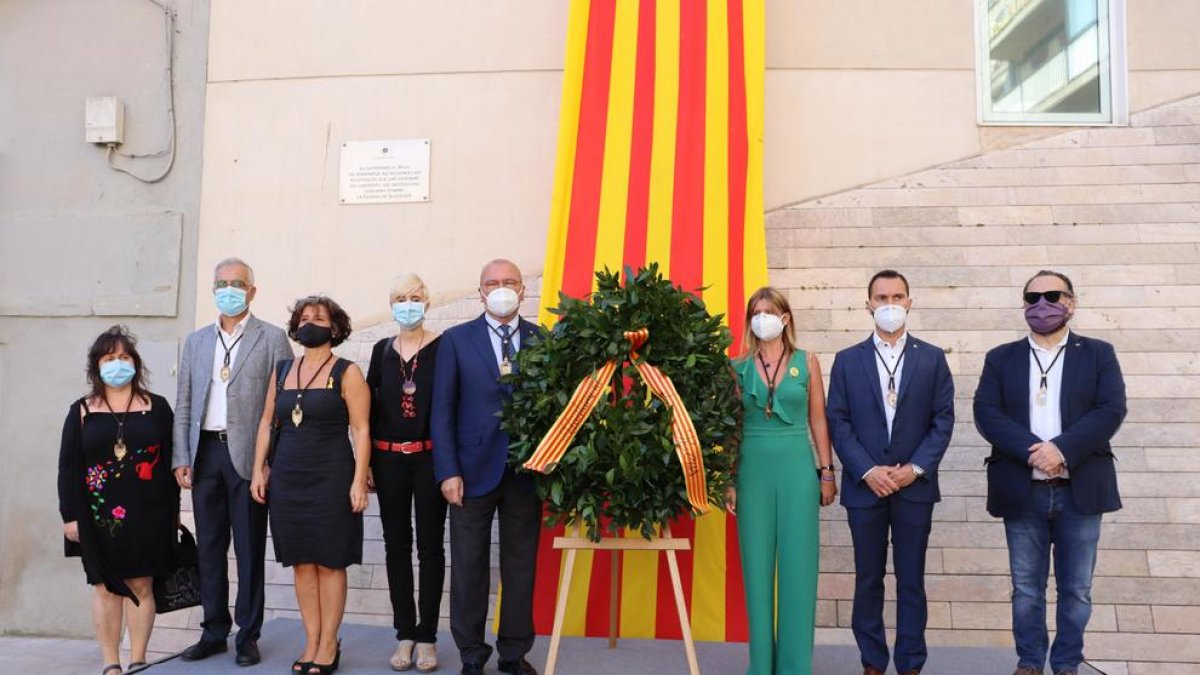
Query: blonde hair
{"points": [[407, 284], [750, 342]]}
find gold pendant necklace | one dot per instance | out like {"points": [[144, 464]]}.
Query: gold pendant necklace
{"points": [[298, 412], [891, 398], [119, 448]]}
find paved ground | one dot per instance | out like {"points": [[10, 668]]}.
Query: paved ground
{"points": [[367, 648]]}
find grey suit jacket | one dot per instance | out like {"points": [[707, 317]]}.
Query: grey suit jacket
{"points": [[263, 345]]}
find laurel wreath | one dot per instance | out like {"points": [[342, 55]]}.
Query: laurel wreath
{"points": [[621, 470]]}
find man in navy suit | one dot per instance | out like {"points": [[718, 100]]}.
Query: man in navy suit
{"points": [[470, 460], [891, 413], [1050, 404]]}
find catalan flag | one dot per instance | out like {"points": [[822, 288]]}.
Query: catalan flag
{"points": [[659, 160]]}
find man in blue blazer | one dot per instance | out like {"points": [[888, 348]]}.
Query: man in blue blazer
{"points": [[1050, 404], [891, 413], [470, 462]]}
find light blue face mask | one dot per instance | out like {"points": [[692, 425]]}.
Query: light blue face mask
{"points": [[230, 301], [408, 314], [117, 373]]}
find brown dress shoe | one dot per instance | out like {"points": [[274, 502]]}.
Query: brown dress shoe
{"points": [[914, 671], [872, 670]]}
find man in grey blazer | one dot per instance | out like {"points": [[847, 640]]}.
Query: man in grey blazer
{"points": [[224, 373]]}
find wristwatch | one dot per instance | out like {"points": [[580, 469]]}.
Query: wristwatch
{"points": [[918, 471]]}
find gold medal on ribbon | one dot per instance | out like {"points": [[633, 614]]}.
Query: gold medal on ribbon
{"points": [[119, 449], [224, 373], [506, 367], [891, 398], [297, 414]]}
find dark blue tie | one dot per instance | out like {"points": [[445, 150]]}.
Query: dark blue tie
{"points": [[506, 344]]}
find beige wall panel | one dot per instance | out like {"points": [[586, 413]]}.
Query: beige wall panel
{"points": [[1161, 34], [1150, 88], [270, 192], [828, 131], [314, 38], [930, 34]]}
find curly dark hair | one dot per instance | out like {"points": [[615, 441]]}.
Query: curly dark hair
{"points": [[116, 337], [338, 318]]}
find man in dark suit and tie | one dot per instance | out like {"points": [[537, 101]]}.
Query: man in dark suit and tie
{"points": [[891, 413], [1050, 404], [224, 373], [470, 459]]}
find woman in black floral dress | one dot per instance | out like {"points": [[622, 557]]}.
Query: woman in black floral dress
{"points": [[118, 501]]}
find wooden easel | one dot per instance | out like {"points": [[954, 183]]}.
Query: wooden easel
{"points": [[665, 542]]}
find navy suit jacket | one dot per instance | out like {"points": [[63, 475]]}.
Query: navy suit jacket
{"points": [[467, 400], [1092, 404], [920, 431]]}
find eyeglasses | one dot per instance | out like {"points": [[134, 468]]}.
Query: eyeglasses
{"points": [[236, 283], [1032, 297], [492, 284]]}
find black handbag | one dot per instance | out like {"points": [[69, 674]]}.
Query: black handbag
{"points": [[281, 373], [179, 588]]}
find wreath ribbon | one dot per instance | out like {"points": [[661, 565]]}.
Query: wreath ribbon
{"points": [[687, 444]]}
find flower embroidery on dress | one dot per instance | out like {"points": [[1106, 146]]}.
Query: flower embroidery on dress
{"points": [[98, 477]]}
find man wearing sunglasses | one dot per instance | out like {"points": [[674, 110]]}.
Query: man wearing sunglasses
{"points": [[1049, 404]]}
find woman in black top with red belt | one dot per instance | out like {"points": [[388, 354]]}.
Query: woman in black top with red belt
{"points": [[401, 381]]}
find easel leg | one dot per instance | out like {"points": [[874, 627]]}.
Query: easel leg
{"points": [[613, 598], [560, 611], [685, 624]]}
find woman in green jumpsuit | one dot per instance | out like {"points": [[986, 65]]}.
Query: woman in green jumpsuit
{"points": [[780, 485]]}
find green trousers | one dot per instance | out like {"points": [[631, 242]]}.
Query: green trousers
{"points": [[778, 496]]}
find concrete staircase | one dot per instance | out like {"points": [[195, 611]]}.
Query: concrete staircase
{"points": [[1118, 210]]}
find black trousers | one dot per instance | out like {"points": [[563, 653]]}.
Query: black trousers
{"points": [[405, 484], [221, 504], [470, 569]]}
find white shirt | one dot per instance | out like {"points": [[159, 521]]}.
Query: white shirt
{"points": [[216, 412], [1045, 421], [494, 332], [891, 355]]}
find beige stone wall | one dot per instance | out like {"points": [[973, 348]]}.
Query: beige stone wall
{"points": [[857, 91], [83, 247], [1119, 211]]}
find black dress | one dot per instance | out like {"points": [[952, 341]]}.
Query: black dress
{"points": [[126, 508], [311, 474]]}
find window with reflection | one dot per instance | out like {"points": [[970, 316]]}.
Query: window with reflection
{"points": [[1049, 61]]}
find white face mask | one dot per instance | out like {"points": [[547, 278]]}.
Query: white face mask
{"points": [[766, 326], [503, 302], [890, 318]]}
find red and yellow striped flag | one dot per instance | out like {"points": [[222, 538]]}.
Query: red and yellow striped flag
{"points": [[659, 160]]}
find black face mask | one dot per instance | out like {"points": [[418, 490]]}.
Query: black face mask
{"points": [[312, 335]]}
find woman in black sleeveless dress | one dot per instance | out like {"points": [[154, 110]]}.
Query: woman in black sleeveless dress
{"points": [[118, 500], [317, 478]]}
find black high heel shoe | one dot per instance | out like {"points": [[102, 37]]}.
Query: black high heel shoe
{"points": [[300, 667], [315, 668]]}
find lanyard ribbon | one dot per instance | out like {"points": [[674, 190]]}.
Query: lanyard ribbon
{"points": [[687, 444]]}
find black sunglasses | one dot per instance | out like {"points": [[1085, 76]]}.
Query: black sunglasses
{"points": [[1032, 297]]}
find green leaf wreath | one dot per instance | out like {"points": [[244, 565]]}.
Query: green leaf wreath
{"points": [[621, 470]]}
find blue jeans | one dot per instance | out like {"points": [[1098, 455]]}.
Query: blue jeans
{"points": [[1050, 517]]}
